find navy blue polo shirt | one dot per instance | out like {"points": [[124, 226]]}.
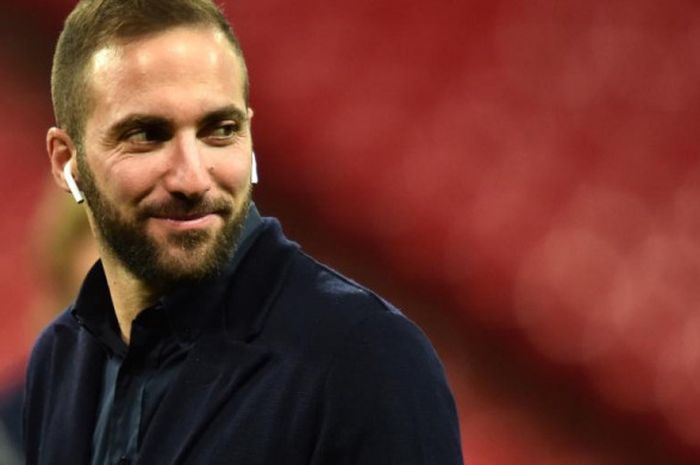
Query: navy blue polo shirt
{"points": [[136, 377]]}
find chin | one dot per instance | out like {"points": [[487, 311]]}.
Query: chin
{"points": [[191, 264]]}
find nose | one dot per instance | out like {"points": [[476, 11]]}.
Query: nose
{"points": [[188, 175]]}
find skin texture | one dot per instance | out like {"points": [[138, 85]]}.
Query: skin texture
{"points": [[167, 158]]}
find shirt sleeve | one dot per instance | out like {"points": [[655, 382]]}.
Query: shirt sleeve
{"points": [[387, 401]]}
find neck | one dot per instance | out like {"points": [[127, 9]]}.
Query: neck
{"points": [[130, 296]]}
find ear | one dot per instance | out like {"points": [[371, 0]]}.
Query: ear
{"points": [[61, 150]]}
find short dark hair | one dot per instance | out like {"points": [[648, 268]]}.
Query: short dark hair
{"points": [[94, 24]]}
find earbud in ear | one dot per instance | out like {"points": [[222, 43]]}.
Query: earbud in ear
{"points": [[254, 170], [72, 186]]}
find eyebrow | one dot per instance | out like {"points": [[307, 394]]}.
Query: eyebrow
{"points": [[227, 112], [137, 120]]}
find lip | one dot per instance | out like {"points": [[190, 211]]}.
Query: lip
{"points": [[188, 222]]}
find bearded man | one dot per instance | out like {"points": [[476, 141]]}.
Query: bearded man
{"points": [[202, 335]]}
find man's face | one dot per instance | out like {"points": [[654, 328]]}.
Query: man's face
{"points": [[167, 154]]}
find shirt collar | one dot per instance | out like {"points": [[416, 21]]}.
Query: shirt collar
{"points": [[188, 310]]}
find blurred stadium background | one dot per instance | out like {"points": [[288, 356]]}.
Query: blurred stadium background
{"points": [[521, 177]]}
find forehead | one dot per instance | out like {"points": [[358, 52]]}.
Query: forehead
{"points": [[181, 68]]}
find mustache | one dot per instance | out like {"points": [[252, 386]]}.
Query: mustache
{"points": [[177, 207]]}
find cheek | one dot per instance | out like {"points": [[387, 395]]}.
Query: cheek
{"points": [[130, 182], [233, 174]]}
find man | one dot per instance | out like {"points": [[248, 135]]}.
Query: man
{"points": [[203, 336]]}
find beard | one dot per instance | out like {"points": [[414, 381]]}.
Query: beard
{"points": [[182, 257]]}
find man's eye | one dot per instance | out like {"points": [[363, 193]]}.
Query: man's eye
{"points": [[136, 136], [222, 132], [145, 136]]}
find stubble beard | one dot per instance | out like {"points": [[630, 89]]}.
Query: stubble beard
{"points": [[152, 262]]}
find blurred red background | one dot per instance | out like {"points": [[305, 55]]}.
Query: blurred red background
{"points": [[522, 178]]}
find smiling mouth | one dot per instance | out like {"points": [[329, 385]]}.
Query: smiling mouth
{"points": [[189, 221], [180, 217], [185, 216]]}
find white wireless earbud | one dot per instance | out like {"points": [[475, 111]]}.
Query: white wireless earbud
{"points": [[254, 171], [72, 186]]}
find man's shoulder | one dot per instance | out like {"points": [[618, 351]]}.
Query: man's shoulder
{"points": [[324, 292], [328, 311], [375, 363], [330, 287], [303, 289], [62, 329], [64, 322]]}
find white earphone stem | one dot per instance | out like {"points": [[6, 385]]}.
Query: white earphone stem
{"points": [[254, 170], [72, 186]]}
